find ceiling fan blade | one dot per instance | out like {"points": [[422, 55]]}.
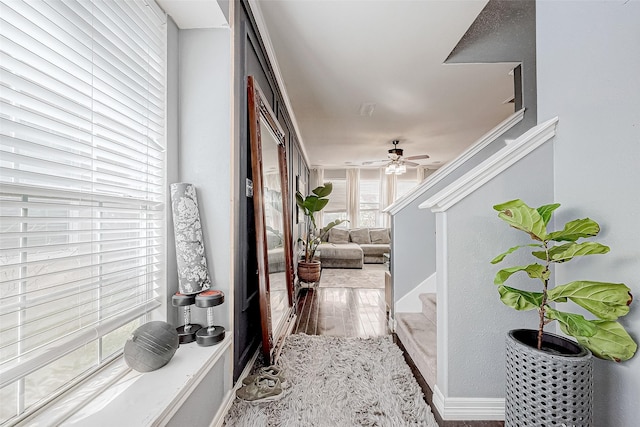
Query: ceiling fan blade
{"points": [[418, 157], [370, 162], [411, 163]]}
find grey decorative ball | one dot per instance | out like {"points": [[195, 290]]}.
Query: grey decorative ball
{"points": [[151, 346]]}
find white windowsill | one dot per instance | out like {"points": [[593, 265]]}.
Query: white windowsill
{"points": [[120, 396]]}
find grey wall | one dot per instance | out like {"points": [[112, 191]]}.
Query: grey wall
{"points": [[205, 141], [172, 156], [503, 32], [477, 321], [414, 244], [198, 99], [588, 68]]}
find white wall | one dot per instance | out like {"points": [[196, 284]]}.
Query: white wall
{"points": [[588, 75]]}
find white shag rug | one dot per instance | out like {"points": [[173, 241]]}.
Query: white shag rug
{"points": [[336, 381]]}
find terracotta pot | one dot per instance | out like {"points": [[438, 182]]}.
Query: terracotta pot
{"points": [[309, 272]]}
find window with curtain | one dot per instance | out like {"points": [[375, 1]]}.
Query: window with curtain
{"points": [[337, 206], [370, 200], [406, 182], [82, 188]]}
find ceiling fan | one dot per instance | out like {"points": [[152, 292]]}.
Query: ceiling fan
{"points": [[396, 163]]}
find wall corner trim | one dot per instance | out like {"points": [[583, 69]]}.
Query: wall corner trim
{"points": [[468, 408], [445, 170], [493, 166]]}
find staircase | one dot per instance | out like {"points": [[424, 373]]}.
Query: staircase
{"points": [[417, 332]]}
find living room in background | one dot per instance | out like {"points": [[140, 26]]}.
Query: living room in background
{"points": [[82, 187]]}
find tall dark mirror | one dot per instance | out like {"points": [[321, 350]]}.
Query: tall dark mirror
{"points": [[273, 222]]}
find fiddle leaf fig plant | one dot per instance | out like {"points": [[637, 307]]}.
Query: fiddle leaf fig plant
{"points": [[309, 205], [604, 336]]}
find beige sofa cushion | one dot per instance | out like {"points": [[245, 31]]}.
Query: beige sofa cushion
{"points": [[380, 235], [360, 236], [337, 235]]}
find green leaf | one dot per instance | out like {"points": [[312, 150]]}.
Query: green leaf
{"points": [[323, 190], [572, 324], [535, 271], [329, 226], [573, 230], [546, 211], [517, 214], [568, 251], [299, 200], [520, 300], [314, 204], [610, 341], [608, 301], [500, 257]]}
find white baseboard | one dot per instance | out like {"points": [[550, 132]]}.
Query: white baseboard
{"points": [[468, 408], [229, 398], [410, 303]]}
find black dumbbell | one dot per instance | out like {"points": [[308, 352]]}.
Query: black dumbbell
{"points": [[211, 334], [186, 332]]}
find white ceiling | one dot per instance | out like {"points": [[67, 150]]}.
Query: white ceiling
{"points": [[333, 56]]}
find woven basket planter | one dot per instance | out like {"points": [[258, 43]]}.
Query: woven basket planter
{"points": [[547, 388], [309, 272]]}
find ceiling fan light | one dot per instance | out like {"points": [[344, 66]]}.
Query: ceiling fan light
{"points": [[390, 169], [400, 169]]}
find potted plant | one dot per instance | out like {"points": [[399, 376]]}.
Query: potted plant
{"points": [[549, 380], [309, 266]]}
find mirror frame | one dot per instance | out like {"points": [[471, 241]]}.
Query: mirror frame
{"points": [[260, 110]]}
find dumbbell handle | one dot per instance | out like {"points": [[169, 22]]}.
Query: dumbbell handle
{"points": [[187, 318], [210, 317]]}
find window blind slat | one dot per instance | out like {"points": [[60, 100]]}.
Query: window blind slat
{"points": [[65, 345], [71, 194], [15, 303], [149, 268], [69, 319], [82, 181]]}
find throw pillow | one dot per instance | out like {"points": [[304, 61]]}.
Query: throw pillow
{"points": [[337, 235], [360, 236], [380, 236]]}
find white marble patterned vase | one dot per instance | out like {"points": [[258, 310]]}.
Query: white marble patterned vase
{"points": [[193, 275]]}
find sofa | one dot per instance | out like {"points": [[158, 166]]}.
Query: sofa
{"points": [[351, 248]]}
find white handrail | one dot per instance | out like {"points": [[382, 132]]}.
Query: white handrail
{"points": [[445, 170], [490, 168]]}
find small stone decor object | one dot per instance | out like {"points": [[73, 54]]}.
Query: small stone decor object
{"points": [[151, 346], [193, 275]]}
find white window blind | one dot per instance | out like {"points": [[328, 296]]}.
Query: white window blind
{"points": [[337, 206], [406, 182], [369, 209], [82, 187]]}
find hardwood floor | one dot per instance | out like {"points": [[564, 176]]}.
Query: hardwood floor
{"points": [[345, 312], [359, 312]]}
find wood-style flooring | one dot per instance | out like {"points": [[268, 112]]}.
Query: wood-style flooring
{"points": [[359, 312], [344, 312]]}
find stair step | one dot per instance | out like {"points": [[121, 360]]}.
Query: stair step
{"points": [[429, 306], [418, 335]]}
